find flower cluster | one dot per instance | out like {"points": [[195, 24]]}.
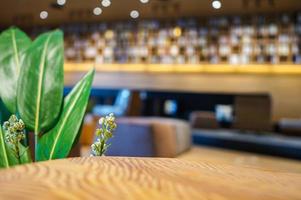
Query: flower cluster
{"points": [[14, 129], [14, 133], [105, 132]]}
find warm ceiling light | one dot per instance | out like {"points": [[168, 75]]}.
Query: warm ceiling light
{"points": [[43, 14], [134, 14], [97, 11], [216, 4], [61, 2], [144, 1], [105, 3]]}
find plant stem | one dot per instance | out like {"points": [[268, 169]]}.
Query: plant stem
{"points": [[18, 153], [35, 146], [102, 147]]}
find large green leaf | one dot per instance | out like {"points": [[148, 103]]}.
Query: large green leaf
{"points": [[3, 153], [24, 154], [12, 157], [13, 43], [41, 82], [58, 142]]}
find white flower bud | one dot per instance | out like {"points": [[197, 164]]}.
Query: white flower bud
{"points": [[101, 120]]}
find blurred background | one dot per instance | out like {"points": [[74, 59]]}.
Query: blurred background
{"points": [[181, 74]]}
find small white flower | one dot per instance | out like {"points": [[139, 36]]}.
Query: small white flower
{"points": [[101, 120]]}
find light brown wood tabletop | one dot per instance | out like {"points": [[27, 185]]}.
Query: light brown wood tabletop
{"points": [[145, 178]]}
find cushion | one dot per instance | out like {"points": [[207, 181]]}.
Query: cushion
{"points": [[131, 140], [170, 137]]}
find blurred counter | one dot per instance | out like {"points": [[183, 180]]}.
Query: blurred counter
{"points": [[288, 69], [281, 82]]}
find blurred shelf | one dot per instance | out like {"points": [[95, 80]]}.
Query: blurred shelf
{"points": [[281, 69]]}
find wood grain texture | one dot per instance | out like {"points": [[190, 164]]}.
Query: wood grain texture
{"points": [[144, 178]]}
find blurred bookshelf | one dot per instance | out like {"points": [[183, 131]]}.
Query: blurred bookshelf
{"points": [[241, 41], [250, 44]]}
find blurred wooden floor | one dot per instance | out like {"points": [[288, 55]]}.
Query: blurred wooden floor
{"points": [[236, 158], [239, 158]]}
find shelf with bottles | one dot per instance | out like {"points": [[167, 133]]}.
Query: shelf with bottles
{"points": [[235, 40]]}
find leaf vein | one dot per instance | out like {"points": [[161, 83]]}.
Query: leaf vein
{"points": [[41, 67], [16, 52]]}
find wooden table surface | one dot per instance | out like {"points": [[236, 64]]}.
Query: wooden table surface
{"points": [[145, 178]]}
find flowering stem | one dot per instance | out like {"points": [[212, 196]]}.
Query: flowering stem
{"points": [[102, 147], [107, 127], [18, 153]]}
